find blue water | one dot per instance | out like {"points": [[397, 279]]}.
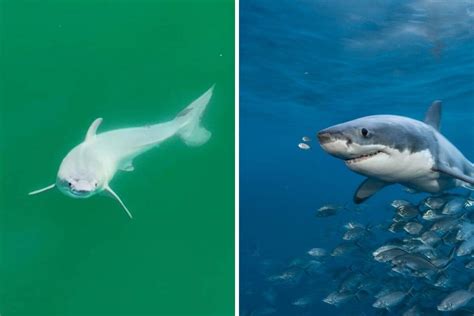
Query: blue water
{"points": [[307, 65]]}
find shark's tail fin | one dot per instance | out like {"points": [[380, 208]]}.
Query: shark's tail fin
{"points": [[189, 120]]}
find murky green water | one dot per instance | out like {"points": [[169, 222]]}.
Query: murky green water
{"points": [[64, 63]]}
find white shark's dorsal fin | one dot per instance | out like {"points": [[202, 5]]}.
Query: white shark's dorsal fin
{"points": [[454, 173], [49, 187], [433, 115], [92, 131], [116, 197], [367, 188]]}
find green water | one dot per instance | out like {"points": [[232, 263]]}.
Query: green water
{"points": [[64, 63]]}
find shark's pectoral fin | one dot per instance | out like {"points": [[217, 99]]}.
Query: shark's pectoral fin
{"points": [[49, 187], [116, 197], [127, 166], [433, 115], [456, 174], [367, 188], [93, 128]]}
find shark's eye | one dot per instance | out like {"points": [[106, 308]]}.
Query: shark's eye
{"points": [[364, 132], [69, 184]]}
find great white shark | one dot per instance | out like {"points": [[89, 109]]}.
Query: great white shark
{"points": [[90, 166], [390, 149]]}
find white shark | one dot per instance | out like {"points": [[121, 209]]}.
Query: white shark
{"points": [[90, 166], [391, 149]]}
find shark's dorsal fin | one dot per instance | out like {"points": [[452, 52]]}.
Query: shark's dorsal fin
{"points": [[433, 115], [367, 188], [93, 128], [454, 173], [116, 197]]}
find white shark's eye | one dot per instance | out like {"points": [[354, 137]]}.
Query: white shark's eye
{"points": [[364, 132]]}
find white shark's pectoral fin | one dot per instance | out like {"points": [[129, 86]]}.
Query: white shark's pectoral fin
{"points": [[456, 174], [433, 115], [367, 188], [127, 166], [92, 131], [116, 197], [49, 187]]}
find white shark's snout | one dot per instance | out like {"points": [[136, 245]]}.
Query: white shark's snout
{"points": [[335, 144], [77, 188], [341, 145]]}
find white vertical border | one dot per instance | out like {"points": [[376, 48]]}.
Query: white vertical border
{"points": [[236, 158]]}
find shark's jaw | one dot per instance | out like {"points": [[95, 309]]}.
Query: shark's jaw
{"points": [[349, 151], [370, 160], [77, 194], [78, 189], [361, 158], [383, 162]]}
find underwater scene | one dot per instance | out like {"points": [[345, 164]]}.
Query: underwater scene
{"points": [[341, 213], [161, 76]]}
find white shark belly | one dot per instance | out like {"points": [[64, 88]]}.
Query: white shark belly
{"points": [[411, 169], [426, 184]]}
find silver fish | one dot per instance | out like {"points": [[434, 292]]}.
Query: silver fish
{"points": [[389, 255], [413, 228], [355, 233], [303, 146], [399, 203], [432, 215], [396, 227], [455, 301], [434, 203], [407, 211], [390, 300], [445, 225], [317, 252], [328, 210], [429, 238], [466, 247], [305, 300], [454, 206], [337, 298], [466, 230]]}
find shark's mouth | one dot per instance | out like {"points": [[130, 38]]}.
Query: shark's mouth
{"points": [[363, 157]]}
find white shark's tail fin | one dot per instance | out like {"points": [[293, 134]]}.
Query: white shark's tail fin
{"points": [[189, 120]]}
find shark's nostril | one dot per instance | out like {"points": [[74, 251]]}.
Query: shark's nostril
{"points": [[324, 137]]}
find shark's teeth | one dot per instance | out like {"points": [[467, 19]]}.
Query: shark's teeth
{"points": [[363, 157]]}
